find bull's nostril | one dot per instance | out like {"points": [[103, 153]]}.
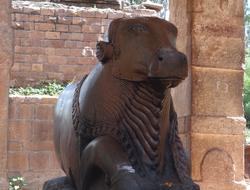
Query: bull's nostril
{"points": [[160, 58]]}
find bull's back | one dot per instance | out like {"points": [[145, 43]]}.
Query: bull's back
{"points": [[64, 135]]}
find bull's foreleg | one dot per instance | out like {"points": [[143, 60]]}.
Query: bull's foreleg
{"points": [[60, 183], [104, 165]]}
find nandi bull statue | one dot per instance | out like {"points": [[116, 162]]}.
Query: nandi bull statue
{"points": [[116, 129]]}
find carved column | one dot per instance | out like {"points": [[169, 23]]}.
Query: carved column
{"points": [[6, 52], [216, 128]]}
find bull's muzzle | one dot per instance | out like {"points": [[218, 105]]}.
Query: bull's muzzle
{"points": [[168, 64]]}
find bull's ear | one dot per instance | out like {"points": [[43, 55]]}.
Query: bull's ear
{"points": [[104, 51]]}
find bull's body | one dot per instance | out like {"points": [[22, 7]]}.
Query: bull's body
{"points": [[120, 131]]}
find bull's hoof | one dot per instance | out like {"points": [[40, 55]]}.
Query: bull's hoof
{"points": [[61, 183]]}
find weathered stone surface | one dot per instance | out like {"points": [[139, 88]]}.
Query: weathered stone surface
{"points": [[219, 8], [217, 125], [18, 161], [217, 164], [230, 145], [211, 28], [4, 97], [6, 52], [217, 92], [221, 52], [222, 186], [6, 35], [3, 152]]}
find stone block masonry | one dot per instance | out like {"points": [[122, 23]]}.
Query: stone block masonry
{"points": [[212, 33], [6, 60], [57, 42], [30, 140]]}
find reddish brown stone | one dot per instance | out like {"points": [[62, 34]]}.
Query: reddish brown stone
{"points": [[44, 112], [45, 11], [62, 51], [19, 130], [56, 60], [217, 92], [75, 28], [92, 29], [223, 52], [17, 161], [25, 111], [15, 146], [52, 35], [42, 130], [50, 68], [229, 145], [52, 43], [64, 20], [217, 125], [77, 36], [39, 161], [44, 26], [78, 20], [34, 145], [37, 67], [62, 28], [36, 18]]}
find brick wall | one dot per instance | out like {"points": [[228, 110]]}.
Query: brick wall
{"points": [[30, 140], [54, 41]]}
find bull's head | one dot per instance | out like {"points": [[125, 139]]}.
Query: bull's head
{"points": [[143, 49]]}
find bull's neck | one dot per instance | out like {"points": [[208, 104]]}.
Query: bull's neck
{"points": [[145, 119]]}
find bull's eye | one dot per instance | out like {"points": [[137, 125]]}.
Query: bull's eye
{"points": [[138, 28]]}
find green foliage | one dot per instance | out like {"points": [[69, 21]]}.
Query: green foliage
{"points": [[247, 135], [247, 88], [247, 22], [16, 183], [51, 88]]}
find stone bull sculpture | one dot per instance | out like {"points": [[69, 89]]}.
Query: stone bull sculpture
{"points": [[117, 128]]}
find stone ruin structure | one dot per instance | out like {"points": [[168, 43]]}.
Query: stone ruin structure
{"points": [[211, 33]]}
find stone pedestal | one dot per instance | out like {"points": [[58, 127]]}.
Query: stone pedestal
{"points": [[214, 32], [6, 51]]}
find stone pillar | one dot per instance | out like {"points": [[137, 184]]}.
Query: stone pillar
{"points": [[217, 139], [6, 52], [216, 29]]}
